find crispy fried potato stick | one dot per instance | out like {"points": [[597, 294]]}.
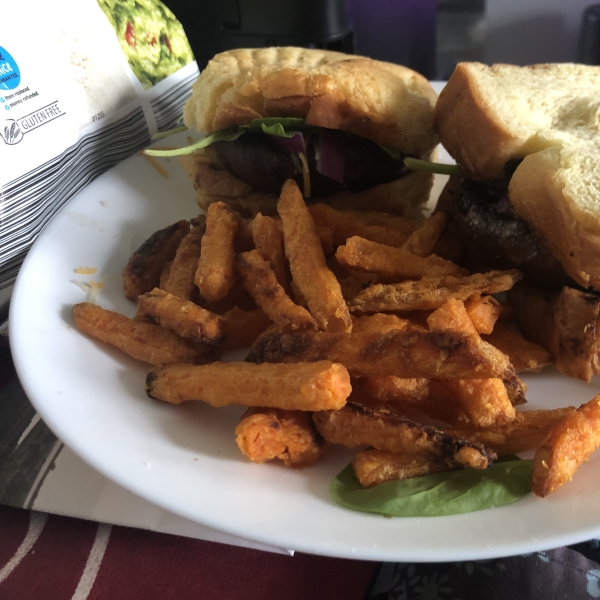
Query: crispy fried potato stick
{"points": [[307, 386], [373, 467], [431, 292], [524, 433], [566, 323], [242, 327], [451, 316], [397, 393], [268, 240], [346, 224], [261, 282], [565, 448], [316, 282], [523, 354], [380, 322], [400, 353], [355, 425], [180, 281], [515, 388], [215, 274], [143, 270], [393, 263], [181, 316], [485, 402], [144, 341], [483, 311], [164, 274], [422, 241], [289, 435]]}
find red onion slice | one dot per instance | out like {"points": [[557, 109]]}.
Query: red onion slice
{"points": [[291, 144], [330, 155]]}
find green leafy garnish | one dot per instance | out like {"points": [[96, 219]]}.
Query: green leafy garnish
{"points": [[281, 126], [441, 494], [393, 152], [225, 135], [164, 134], [431, 167]]}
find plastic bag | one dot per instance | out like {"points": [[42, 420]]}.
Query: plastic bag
{"points": [[88, 86]]}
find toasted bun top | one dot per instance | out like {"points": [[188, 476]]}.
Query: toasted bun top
{"points": [[386, 103], [487, 115]]}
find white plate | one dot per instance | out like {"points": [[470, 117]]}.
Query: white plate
{"points": [[184, 458]]}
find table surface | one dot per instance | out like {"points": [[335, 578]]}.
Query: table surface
{"points": [[61, 558]]}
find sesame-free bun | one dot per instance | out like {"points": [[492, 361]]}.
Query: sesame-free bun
{"points": [[549, 116], [386, 103]]}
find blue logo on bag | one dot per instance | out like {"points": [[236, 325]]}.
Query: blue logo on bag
{"points": [[10, 76]]}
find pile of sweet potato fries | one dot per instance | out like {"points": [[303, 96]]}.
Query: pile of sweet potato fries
{"points": [[358, 333]]}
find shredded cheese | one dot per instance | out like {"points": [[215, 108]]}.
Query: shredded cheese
{"points": [[305, 174], [91, 289], [85, 270], [155, 164]]}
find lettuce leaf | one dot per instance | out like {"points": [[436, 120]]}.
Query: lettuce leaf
{"points": [[441, 494], [416, 164], [279, 126], [225, 135]]}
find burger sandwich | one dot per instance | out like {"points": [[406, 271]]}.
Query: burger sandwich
{"points": [[527, 140], [340, 125]]}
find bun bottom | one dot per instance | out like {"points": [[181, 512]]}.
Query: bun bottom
{"points": [[213, 183]]}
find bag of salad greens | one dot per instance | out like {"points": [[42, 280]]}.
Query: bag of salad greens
{"points": [[88, 86]]}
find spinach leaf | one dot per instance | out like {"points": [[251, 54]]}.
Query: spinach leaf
{"points": [[440, 494], [281, 126], [227, 135]]}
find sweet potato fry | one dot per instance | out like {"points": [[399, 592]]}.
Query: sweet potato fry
{"points": [[354, 426], [144, 341], [565, 448], [143, 270], [260, 280], [182, 316], [397, 393], [524, 433], [320, 385], [483, 311], [485, 402], [430, 293], [180, 280], [380, 322], [422, 241], [289, 435], [400, 353], [373, 467], [565, 323], [164, 274], [393, 263], [215, 274], [346, 224], [316, 282], [523, 354], [451, 316], [242, 327], [268, 240]]}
